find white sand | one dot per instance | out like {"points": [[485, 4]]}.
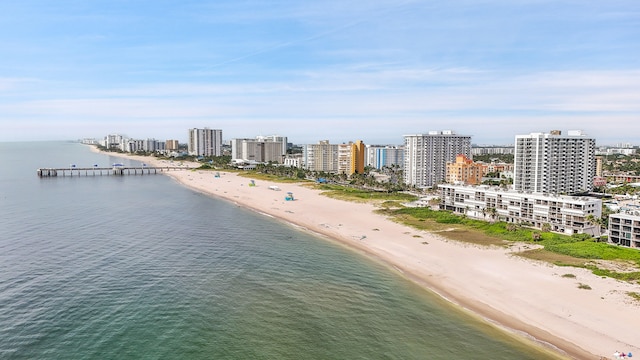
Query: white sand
{"points": [[526, 297]]}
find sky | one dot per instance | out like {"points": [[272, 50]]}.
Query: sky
{"points": [[337, 70]]}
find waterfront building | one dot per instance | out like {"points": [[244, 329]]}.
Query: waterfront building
{"points": [[464, 171], [351, 158], [378, 156], [257, 150], [172, 145], [565, 214], [131, 145], [205, 142], [426, 156], [275, 138], [113, 141], [554, 163], [322, 156], [624, 229], [262, 149], [293, 160]]}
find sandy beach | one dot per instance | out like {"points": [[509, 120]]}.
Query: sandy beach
{"points": [[528, 298]]}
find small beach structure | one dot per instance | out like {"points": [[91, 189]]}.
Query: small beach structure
{"points": [[289, 196], [252, 183], [274, 187], [217, 175]]}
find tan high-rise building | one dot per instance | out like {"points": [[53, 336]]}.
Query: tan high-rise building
{"points": [[171, 145], [320, 157], [351, 158], [358, 151], [464, 171]]}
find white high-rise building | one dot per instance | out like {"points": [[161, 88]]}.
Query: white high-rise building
{"points": [[553, 163], [205, 142], [426, 156], [258, 149]]}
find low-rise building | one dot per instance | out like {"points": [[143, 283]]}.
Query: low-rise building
{"points": [[624, 230], [565, 214]]}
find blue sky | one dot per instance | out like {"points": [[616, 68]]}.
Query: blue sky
{"points": [[337, 69]]}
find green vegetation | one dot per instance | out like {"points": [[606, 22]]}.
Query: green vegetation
{"points": [[342, 192], [634, 295], [506, 158], [579, 250], [269, 177], [584, 286], [569, 276]]}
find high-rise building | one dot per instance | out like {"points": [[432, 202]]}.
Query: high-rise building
{"points": [[258, 149], [171, 145], [426, 156], [357, 158], [377, 156], [320, 157], [553, 163], [275, 138], [351, 158], [205, 142]]}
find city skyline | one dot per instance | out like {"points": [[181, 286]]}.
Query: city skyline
{"points": [[342, 71]]}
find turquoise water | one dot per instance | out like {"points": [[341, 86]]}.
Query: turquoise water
{"points": [[139, 267]]}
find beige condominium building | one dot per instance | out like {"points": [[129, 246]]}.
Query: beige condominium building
{"points": [[464, 171], [322, 156]]}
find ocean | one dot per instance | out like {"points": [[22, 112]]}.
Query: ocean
{"points": [[140, 267]]}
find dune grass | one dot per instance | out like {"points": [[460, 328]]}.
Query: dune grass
{"points": [[559, 249]]}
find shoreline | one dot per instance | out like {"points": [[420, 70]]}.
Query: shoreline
{"points": [[531, 300]]}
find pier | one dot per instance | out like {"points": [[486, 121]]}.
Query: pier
{"points": [[100, 171]]}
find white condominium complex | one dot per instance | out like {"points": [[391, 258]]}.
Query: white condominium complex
{"points": [[426, 156], [553, 163], [205, 142], [320, 157], [566, 214], [258, 149]]}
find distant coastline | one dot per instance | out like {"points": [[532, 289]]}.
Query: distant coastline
{"points": [[521, 296]]}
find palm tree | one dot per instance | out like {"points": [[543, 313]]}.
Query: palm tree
{"points": [[593, 221], [492, 212]]}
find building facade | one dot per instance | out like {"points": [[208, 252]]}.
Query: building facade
{"points": [[553, 163], [565, 214], [624, 230], [275, 138], [205, 142], [322, 156], [351, 158], [377, 156], [257, 150], [172, 145], [426, 156], [492, 150], [464, 171]]}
